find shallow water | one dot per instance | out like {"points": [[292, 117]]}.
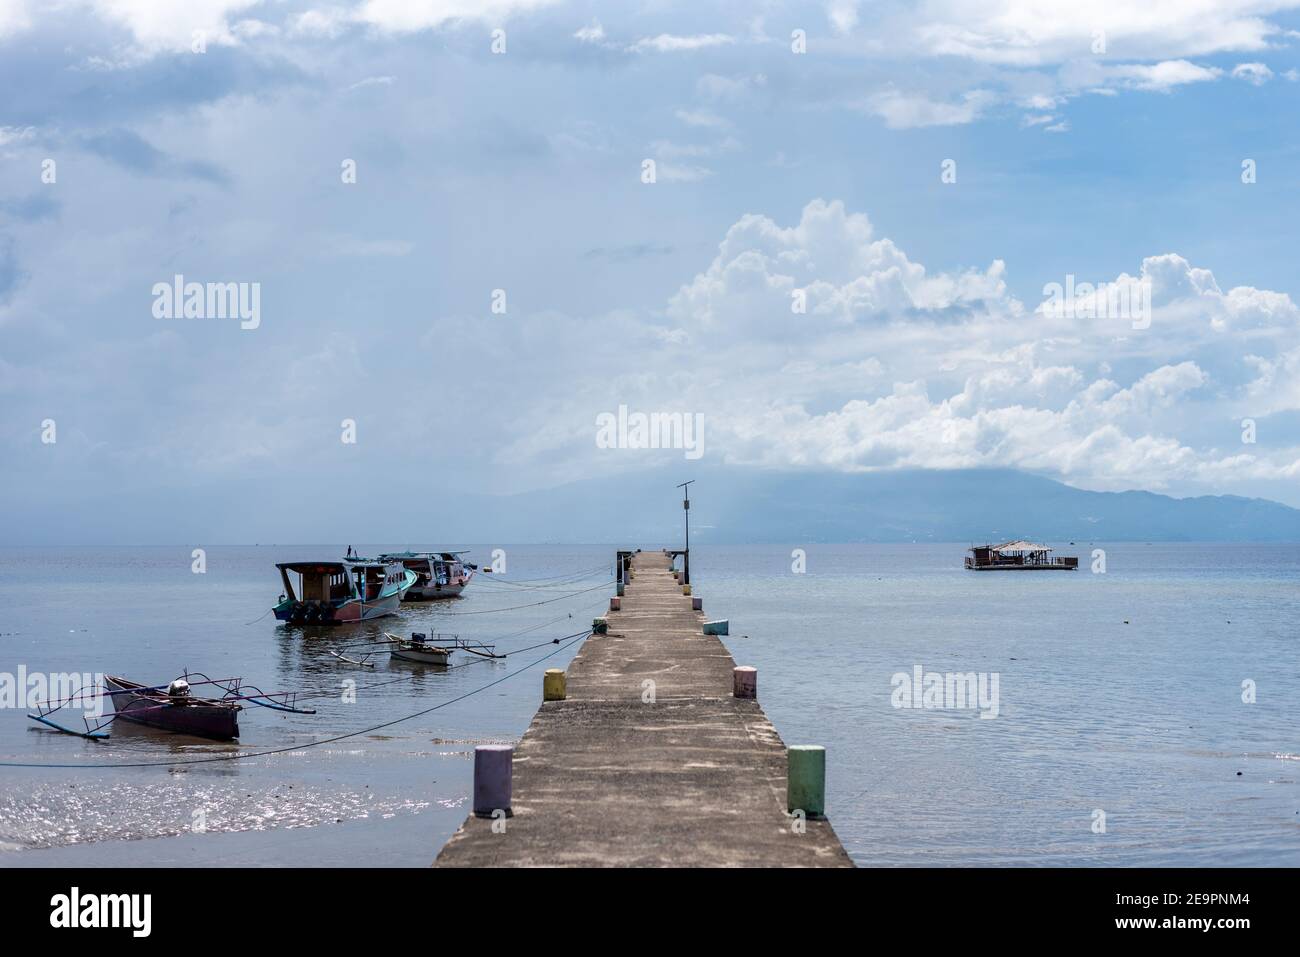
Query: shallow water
{"points": [[1142, 721]]}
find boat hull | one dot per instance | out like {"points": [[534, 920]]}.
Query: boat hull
{"points": [[424, 656], [1022, 568], [220, 722], [350, 611], [433, 592]]}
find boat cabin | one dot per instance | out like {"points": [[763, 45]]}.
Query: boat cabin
{"points": [[1017, 555], [433, 568], [337, 581]]}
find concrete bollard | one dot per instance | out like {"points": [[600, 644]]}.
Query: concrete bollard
{"points": [[493, 778], [744, 681], [697, 604], [553, 685], [686, 589], [599, 626], [620, 589], [615, 603], [805, 785]]}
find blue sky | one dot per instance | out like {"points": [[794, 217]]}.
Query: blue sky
{"points": [[923, 344]]}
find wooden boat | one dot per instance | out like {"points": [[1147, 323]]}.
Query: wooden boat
{"points": [[419, 649], [1017, 556], [333, 593], [436, 649], [172, 707], [438, 574]]}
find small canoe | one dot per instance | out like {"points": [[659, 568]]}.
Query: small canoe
{"points": [[719, 627], [178, 713]]}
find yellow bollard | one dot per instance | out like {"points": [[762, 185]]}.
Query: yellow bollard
{"points": [[686, 589], [553, 685]]}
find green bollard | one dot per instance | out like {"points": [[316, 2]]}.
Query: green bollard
{"points": [[805, 785]]}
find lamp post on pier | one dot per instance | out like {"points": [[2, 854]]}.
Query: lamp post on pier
{"points": [[686, 507]]}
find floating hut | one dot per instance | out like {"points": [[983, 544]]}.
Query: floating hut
{"points": [[1017, 556]]}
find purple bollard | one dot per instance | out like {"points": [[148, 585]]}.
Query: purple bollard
{"points": [[493, 778], [697, 604], [744, 681]]}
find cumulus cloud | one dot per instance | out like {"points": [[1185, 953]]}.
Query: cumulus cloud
{"points": [[961, 374]]}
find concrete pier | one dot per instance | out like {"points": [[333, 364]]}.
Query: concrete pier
{"points": [[649, 760]]}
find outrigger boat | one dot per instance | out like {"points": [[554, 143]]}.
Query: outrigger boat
{"points": [[438, 574], [423, 649], [173, 707], [332, 593]]}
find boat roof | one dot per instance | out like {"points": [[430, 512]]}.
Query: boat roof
{"points": [[334, 566], [1020, 545], [464, 551]]}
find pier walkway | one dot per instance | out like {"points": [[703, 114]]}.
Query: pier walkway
{"points": [[650, 760]]}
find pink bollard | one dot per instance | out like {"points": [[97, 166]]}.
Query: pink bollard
{"points": [[493, 778], [744, 681], [615, 604]]}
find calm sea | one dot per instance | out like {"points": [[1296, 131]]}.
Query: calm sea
{"points": [[1121, 735]]}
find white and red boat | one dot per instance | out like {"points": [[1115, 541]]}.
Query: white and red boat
{"points": [[334, 593], [438, 574]]}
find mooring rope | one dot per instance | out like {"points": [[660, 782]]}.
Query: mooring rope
{"points": [[333, 692], [481, 638], [313, 744], [532, 584], [488, 611]]}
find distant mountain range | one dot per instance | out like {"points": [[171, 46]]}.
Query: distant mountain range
{"points": [[729, 505], [732, 505]]}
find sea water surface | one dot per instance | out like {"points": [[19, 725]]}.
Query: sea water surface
{"points": [[1145, 714]]}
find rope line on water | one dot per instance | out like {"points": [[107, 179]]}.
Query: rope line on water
{"points": [[488, 611], [303, 747], [333, 692], [531, 584]]}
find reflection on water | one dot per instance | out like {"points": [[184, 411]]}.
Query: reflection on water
{"points": [[72, 814]]}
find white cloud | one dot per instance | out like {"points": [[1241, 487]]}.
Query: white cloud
{"points": [[16, 134], [670, 43], [373, 81], [903, 368], [843, 15], [173, 26], [15, 16], [410, 16], [592, 33], [1254, 73], [902, 111], [1038, 32], [1160, 77], [330, 22]]}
